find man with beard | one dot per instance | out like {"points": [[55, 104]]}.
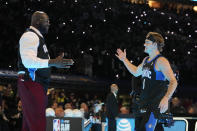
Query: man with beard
{"points": [[34, 72]]}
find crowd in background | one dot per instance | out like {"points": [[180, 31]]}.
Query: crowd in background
{"points": [[62, 103], [91, 31]]}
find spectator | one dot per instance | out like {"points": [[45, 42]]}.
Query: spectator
{"points": [[124, 110], [176, 106]]}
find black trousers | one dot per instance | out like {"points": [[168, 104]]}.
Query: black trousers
{"points": [[141, 121], [111, 124]]}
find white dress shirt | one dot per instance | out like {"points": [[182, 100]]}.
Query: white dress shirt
{"points": [[115, 94], [29, 43]]}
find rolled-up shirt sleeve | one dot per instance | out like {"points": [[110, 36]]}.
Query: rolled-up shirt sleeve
{"points": [[29, 43]]}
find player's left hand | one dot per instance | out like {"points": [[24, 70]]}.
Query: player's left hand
{"points": [[163, 105]]}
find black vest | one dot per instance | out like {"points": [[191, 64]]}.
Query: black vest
{"points": [[40, 75], [154, 84]]}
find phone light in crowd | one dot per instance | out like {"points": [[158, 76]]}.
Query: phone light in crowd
{"points": [[82, 52], [128, 29], [117, 75], [90, 49]]}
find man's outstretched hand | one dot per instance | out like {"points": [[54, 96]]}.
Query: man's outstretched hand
{"points": [[60, 62], [120, 54]]}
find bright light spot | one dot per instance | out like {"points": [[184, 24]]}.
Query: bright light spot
{"points": [[90, 49], [117, 75], [173, 50], [128, 29], [195, 8], [188, 52], [82, 52], [162, 13]]}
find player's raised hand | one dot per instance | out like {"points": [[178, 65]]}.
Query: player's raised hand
{"points": [[120, 54]]}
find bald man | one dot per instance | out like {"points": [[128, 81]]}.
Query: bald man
{"points": [[112, 107], [34, 72]]}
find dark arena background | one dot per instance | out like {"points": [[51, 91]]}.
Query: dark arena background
{"points": [[89, 32]]}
